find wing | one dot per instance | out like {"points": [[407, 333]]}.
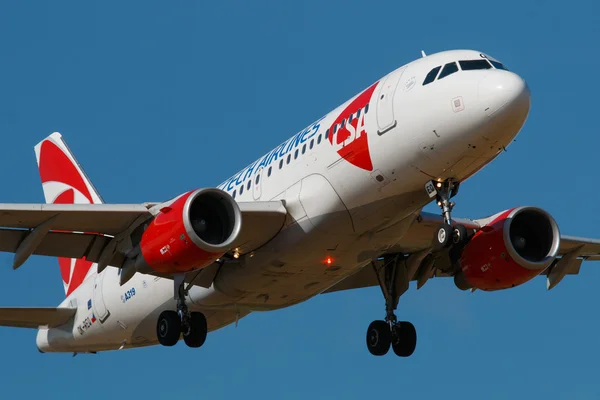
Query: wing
{"points": [[417, 243], [21, 317], [85, 230]]}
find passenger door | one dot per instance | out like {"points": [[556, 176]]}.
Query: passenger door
{"points": [[385, 102]]}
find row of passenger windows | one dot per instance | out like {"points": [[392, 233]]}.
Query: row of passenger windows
{"points": [[311, 144], [465, 65]]}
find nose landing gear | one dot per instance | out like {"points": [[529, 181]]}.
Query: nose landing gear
{"points": [[171, 324], [383, 334], [446, 235]]}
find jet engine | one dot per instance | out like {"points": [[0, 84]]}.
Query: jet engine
{"points": [[511, 248], [190, 232]]}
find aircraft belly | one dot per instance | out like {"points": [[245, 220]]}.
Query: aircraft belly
{"points": [[293, 267], [296, 256]]}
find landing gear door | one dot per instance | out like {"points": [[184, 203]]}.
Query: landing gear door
{"points": [[386, 119], [100, 311]]}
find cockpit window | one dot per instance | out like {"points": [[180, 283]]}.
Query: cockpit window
{"points": [[431, 75], [474, 64], [498, 65], [449, 69]]}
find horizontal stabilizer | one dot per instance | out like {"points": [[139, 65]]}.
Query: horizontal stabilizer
{"points": [[23, 317]]}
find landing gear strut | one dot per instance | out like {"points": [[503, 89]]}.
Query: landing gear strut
{"points": [[446, 235], [400, 335], [171, 324]]}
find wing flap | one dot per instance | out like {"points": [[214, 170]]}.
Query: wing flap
{"points": [[22, 317], [588, 248], [261, 221], [58, 244], [109, 219]]}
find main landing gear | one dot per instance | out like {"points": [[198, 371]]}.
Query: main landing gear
{"points": [[400, 335], [171, 324], [446, 235]]}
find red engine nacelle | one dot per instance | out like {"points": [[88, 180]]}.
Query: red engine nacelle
{"points": [[190, 232], [514, 247]]}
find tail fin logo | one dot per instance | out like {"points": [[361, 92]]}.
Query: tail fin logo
{"points": [[73, 272], [61, 177], [64, 182]]}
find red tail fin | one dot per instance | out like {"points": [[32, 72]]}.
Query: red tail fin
{"points": [[65, 182]]}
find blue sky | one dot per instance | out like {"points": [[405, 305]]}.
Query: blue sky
{"points": [[156, 98]]}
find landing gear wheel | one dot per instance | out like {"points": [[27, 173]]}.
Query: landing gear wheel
{"points": [[393, 281], [379, 338], [404, 339], [442, 237], [168, 328], [459, 235], [197, 330]]}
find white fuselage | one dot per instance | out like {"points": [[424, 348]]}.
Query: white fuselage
{"points": [[351, 182]]}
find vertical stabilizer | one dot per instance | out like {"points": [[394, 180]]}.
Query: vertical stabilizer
{"points": [[65, 182]]}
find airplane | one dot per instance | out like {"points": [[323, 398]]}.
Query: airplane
{"points": [[336, 207]]}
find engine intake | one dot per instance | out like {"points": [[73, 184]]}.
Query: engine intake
{"points": [[190, 232], [214, 217], [511, 248], [531, 234]]}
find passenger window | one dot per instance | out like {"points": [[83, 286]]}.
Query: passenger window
{"points": [[335, 128], [296, 154], [312, 142], [281, 163], [470, 65], [289, 158], [358, 113], [326, 135], [249, 183], [498, 65], [366, 108], [304, 149], [257, 179], [234, 193], [449, 69], [319, 139], [241, 190], [269, 173], [431, 76]]}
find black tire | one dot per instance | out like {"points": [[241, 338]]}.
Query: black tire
{"points": [[459, 235], [379, 338], [404, 339], [442, 237], [168, 328], [196, 336]]}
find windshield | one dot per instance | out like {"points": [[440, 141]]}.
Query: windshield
{"points": [[474, 64], [465, 65]]}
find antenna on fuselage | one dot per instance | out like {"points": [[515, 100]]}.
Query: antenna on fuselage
{"points": [[423, 53]]}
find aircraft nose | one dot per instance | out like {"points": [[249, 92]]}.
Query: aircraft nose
{"points": [[504, 90]]}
